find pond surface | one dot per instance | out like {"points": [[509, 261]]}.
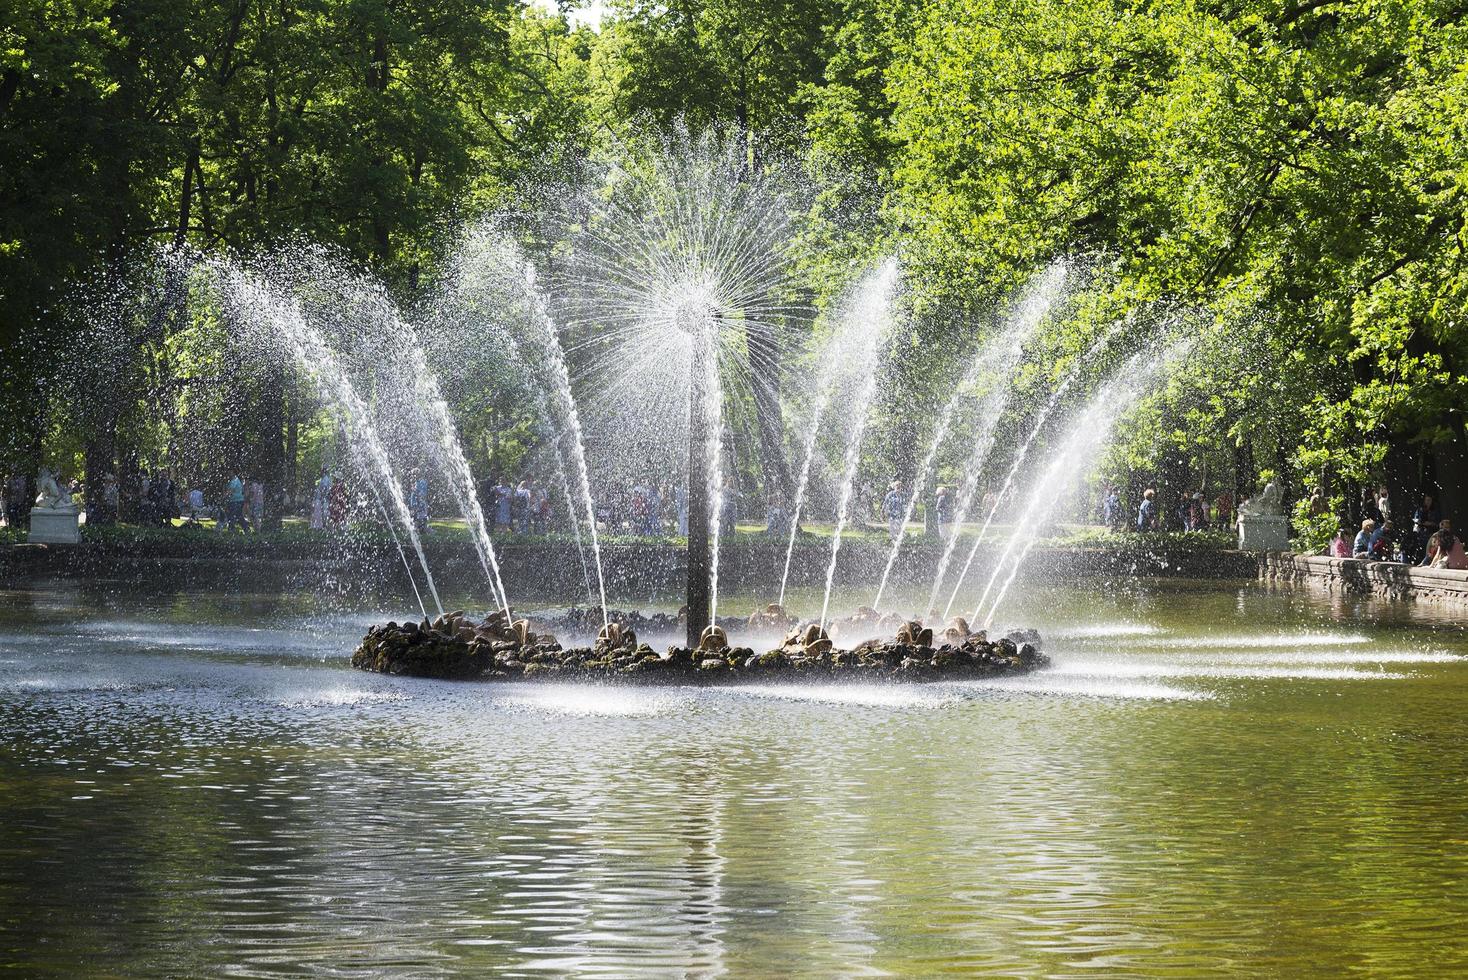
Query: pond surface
{"points": [[1212, 779]]}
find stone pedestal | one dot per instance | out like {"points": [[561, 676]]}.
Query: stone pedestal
{"points": [[54, 526], [1264, 532]]}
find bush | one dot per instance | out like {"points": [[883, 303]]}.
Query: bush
{"points": [[1313, 532], [1173, 541]]}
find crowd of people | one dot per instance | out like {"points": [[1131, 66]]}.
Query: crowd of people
{"points": [[1193, 512], [1427, 539], [522, 507], [155, 499], [651, 509]]}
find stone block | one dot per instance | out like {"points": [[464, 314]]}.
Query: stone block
{"points": [[1264, 532], [54, 526]]}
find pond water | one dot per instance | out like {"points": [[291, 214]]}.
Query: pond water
{"points": [[1212, 779]]}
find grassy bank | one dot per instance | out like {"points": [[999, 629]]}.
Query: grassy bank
{"points": [[295, 536]]}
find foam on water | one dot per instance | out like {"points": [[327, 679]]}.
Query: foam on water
{"points": [[1205, 669], [866, 695], [69, 685], [1104, 631], [220, 638], [341, 697], [1086, 686], [595, 701], [1260, 640], [1339, 657]]}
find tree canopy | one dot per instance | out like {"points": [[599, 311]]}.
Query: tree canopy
{"points": [[1290, 173]]}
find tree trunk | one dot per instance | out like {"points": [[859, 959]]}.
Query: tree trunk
{"points": [[273, 451], [291, 484], [186, 195], [100, 456]]}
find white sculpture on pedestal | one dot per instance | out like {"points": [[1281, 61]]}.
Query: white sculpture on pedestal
{"points": [[51, 495], [54, 516], [1262, 523], [1267, 503]]}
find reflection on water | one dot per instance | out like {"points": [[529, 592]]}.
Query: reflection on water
{"points": [[1209, 780]]}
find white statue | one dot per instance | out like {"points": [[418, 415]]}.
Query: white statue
{"points": [[51, 495], [1268, 503]]}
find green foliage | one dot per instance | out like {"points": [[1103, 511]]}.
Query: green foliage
{"points": [[1283, 183], [1294, 171], [1314, 532], [1158, 542]]}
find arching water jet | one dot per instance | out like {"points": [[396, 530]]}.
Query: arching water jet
{"points": [[996, 359]]}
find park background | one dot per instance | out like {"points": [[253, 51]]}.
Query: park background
{"points": [[1291, 174]]}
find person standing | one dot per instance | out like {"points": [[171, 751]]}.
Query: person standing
{"points": [[652, 524], [257, 504], [1147, 513], [1424, 524], [111, 499], [894, 508], [145, 497], [418, 501], [336, 502], [520, 508], [503, 498], [1111, 508], [777, 522], [16, 511], [540, 508], [234, 496], [1198, 513], [637, 510], [1369, 509], [319, 500], [1224, 507], [729, 507], [196, 504], [943, 504]]}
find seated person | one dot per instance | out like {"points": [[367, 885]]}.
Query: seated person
{"points": [[1381, 541], [1362, 547], [1445, 548], [1341, 546]]}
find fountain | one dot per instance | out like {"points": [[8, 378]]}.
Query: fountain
{"points": [[870, 308], [997, 360], [670, 294], [1088, 433], [971, 480], [275, 318]]}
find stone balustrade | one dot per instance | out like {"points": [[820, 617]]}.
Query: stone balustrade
{"points": [[1354, 576]]}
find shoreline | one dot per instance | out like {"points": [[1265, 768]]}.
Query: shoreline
{"points": [[1357, 576], [554, 566]]}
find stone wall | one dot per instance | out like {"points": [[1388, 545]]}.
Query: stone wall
{"points": [[1352, 576]]}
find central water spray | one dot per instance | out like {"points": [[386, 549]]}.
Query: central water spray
{"points": [[676, 279]]}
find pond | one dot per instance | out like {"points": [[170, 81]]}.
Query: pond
{"points": [[1212, 778]]}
